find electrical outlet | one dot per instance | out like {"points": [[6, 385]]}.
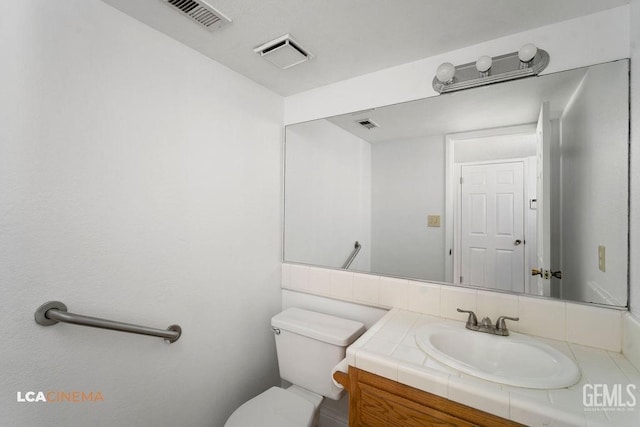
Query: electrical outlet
{"points": [[602, 259], [433, 220]]}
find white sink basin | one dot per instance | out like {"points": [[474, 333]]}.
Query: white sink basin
{"points": [[516, 360]]}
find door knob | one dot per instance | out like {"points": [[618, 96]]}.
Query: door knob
{"points": [[536, 272], [557, 274], [517, 242]]}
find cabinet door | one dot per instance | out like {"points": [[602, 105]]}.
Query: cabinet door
{"points": [[375, 401], [380, 408]]}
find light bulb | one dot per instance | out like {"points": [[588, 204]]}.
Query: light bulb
{"points": [[527, 52], [445, 72], [484, 63]]}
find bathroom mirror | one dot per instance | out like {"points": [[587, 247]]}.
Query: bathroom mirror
{"points": [[520, 187]]}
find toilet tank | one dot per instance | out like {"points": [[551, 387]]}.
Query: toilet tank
{"points": [[309, 345]]}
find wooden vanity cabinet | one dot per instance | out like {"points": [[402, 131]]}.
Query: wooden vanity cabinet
{"points": [[377, 401]]}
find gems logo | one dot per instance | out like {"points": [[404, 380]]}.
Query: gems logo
{"points": [[609, 397], [59, 397]]}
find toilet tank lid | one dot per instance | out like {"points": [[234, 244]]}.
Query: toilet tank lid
{"points": [[322, 327]]}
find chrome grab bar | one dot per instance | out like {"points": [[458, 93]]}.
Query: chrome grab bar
{"points": [[356, 249], [53, 312]]}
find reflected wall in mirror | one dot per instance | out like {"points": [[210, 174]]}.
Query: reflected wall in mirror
{"points": [[519, 186]]}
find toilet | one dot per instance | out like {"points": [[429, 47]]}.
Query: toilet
{"points": [[308, 345]]}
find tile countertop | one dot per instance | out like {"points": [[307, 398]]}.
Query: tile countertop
{"points": [[389, 349]]}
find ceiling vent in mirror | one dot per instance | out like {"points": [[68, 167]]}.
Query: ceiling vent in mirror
{"points": [[368, 124], [283, 52], [200, 12]]}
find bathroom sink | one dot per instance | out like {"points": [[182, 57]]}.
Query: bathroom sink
{"points": [[516, 360]]}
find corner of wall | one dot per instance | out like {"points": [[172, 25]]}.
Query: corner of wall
{"points": [[634, 220]]}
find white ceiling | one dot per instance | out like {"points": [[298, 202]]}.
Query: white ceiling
{"points": [[351, 37]]}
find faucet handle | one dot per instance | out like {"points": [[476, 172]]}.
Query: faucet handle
{"points": [[500, 323], [472, 320]]}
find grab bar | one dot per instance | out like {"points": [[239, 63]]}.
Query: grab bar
{"points": [[356, 249], [53, 312]]}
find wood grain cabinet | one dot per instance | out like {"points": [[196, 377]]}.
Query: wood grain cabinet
{"points": [[376, 401]]}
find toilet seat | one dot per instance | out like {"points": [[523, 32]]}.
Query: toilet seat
{"points": [[274, 408]]}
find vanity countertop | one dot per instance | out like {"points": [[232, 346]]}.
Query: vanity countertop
{"points": [[389, 349]]}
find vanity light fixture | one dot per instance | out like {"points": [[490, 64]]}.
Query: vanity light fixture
{"points": [[528, 61]]}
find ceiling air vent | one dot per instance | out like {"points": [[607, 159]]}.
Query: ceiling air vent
{"points": [[368, 124], [283, 52], [200, 12]]}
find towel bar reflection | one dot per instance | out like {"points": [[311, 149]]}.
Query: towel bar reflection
{"points": [[352, 256], [53, 312]]}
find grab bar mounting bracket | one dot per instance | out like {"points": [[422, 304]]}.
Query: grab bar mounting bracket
{"points": [[41, 313]]}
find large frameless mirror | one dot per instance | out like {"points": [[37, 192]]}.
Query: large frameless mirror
{"points": [[519, 186]]}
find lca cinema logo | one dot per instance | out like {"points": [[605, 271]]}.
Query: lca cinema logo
{"points": [[609, 397], [59, 396]]}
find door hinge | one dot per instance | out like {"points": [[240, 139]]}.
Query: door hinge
{"points": [[461, 180], [461, 278]]}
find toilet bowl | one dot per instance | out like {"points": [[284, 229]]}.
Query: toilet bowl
{"points": [[277, 407], [309, 345]]}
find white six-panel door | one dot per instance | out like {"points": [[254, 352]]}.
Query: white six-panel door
{"points": [[492, 225]]}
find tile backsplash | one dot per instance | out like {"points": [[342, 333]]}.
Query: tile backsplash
{"points": [[575, 323]]}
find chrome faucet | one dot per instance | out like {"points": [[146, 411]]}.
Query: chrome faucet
{"points": [[500, 328]]}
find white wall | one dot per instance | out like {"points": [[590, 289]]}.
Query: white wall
{"points": [[328, 182], [140, 181], [594, 167], [407, 185]]}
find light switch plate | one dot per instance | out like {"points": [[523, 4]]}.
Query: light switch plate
{"points": [[433, 220], [602, 258]]}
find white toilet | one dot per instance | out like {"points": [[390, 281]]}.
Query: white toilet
{"points": [[309, 345]]}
